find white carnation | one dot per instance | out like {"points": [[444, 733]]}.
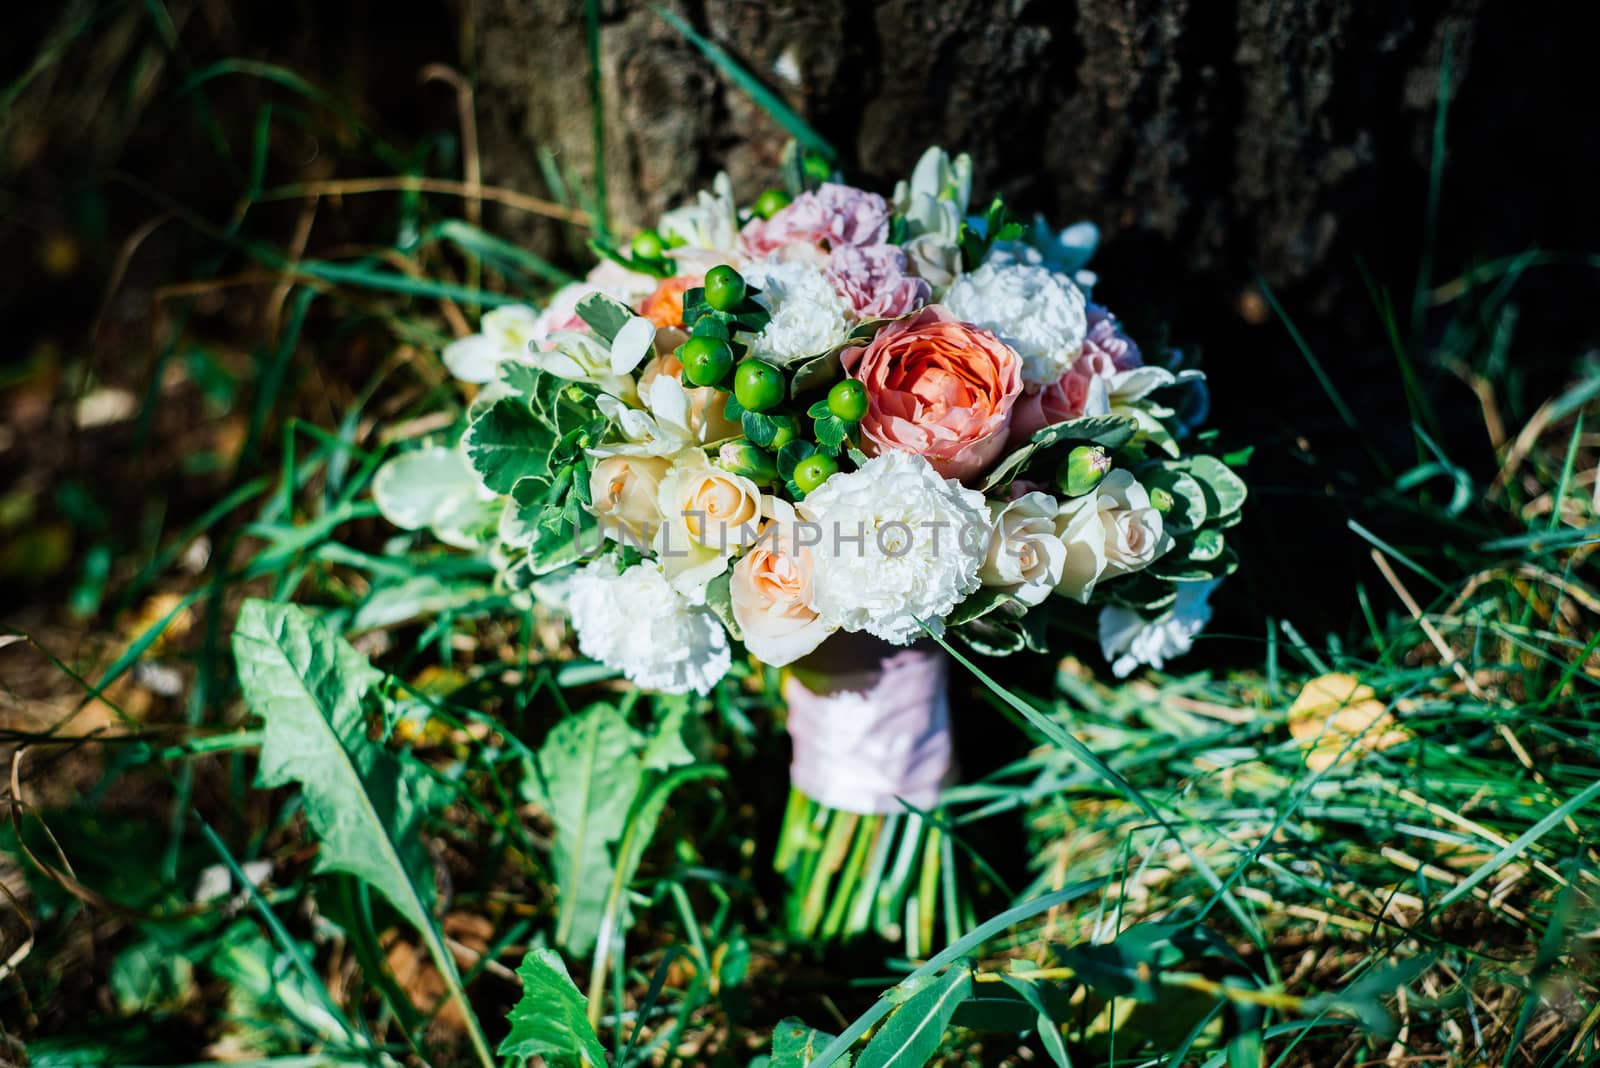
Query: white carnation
{"points": [[1128, 639], [1031, 308], [921, 539], [808, 315], [635, 622]]}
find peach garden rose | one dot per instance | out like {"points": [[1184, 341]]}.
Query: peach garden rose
{"points": [[771, 591], [938, 388]]}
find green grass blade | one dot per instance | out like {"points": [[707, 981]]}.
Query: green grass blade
{"points": [[965, 946], [1518, 846], [765, 98], [1064, 738]]}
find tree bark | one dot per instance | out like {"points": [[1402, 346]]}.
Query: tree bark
{"points": [[1226, 137]]}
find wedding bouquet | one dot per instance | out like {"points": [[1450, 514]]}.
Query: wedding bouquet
{"points": [[835, 428]]}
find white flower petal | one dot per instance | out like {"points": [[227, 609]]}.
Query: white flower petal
{"points": [[633, 342], [1039, 313], [1128, 639], [636, 623], [922, 539], [474, 358], [809, 316]]}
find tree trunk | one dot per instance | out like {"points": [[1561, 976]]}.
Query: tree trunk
{"points": [[1227, 137]]}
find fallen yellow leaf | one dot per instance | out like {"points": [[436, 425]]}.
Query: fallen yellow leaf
{"points": [[1335, 708]]}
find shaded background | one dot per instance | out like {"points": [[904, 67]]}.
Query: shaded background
{"points": [[1219, 146]]}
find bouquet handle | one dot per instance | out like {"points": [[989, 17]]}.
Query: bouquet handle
{"points": [[870, 723]]}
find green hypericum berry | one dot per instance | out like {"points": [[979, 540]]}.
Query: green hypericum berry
{"points": [[706, 360], [848, 400], [1162, 500], [814, 470], [1082, 470], [725, 288], [788, 430], [753, 462], [647, 245], [770, 203], [758, 386], [817, 168]]}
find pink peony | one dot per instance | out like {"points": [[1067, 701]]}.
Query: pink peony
{"points": [[937, 388], [1106, 337], [830, 218], [875, 282], [1085, 387]]}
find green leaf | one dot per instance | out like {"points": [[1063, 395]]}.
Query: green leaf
{"points": [[815, 373], [509, 442], [468, 522], [549, 520], [912, 1034], [1131, 965], [1365, 998], [1044, 1023], [261, 988], [1189, 499], [1226, 491], [666, 749], [549, 1019], [1195, 568], [591, 773], [365, 805], [1209, 544], [422, 594], [1112, 431], [981, 603], [795, 1045], [759, 428], [149, 975], [605, 315], [831, 433], [790, 455], [992, 1007], [993, 635], [712, 324], [412, 489], [719, 598]]}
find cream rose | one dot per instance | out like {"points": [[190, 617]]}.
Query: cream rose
{"points": [[707, 515], [623, 496], [1083, 536], [1135, 535], [1026, 554], [1111, 531], [771, 591]]}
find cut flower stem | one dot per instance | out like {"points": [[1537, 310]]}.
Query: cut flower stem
{"points": [[892, 875]]}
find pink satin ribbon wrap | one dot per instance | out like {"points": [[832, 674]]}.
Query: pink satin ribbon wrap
{"points": [[871, 725]]}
